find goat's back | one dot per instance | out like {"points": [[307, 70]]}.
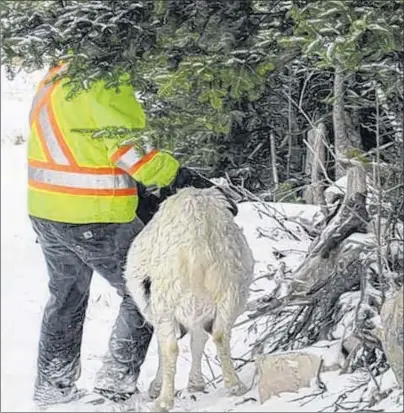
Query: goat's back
{"points": [[192, 251]]}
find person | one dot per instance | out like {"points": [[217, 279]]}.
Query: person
{"points": [[82, 201]]}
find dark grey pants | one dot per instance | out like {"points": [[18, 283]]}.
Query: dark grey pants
{"points": [[72, 253]]}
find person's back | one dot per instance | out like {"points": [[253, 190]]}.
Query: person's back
{"points": [[77, 178]]}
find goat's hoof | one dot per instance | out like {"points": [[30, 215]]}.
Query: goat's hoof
{"points": [[237, 389], [163, 405], [196, 386], [154, 389]]}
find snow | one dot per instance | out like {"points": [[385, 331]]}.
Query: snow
{"points": [[24, 294], [339, 187], [16, 97]]}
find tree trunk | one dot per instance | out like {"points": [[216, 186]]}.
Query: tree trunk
{"points": [[334, 265], [321, 263], [395, 118], [350, 217], [356, 181], [341, 140], [273, 162], [315, 163]]}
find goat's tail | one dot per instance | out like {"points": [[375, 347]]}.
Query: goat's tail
{"points": [[139, 287]]}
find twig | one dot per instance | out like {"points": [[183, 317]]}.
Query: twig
{"points": [[246, 400], [311, 123], [271, 211], [289, 155], [210, 368], [319, 382], [279, 222], [343, 396], [306, 81], [267, 276], [310, 396], [291, 192], [372, 377], [379, 198]]}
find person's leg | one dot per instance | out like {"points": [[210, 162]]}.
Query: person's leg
{"points": [[128, 345], [105, 250], [58, 365]]}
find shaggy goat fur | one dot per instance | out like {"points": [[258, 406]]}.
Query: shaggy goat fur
{"points": [[190, 269]]}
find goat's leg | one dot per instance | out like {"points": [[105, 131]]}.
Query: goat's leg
{"points": [[196, 381], [221, 338], [168, 350], [155, 385]]}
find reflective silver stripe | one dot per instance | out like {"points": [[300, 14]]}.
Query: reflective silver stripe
{"points": [[38, 97], [128, 159], [80, 180], [50, 139]]}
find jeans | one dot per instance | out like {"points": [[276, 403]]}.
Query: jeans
{"points": [[72, 253]]}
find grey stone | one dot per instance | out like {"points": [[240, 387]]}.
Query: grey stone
{"points": [[287, 372], [393, 333]]}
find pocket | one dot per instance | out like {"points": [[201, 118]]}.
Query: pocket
{"points": [[90, 240], [90, 232], [126, 233]]}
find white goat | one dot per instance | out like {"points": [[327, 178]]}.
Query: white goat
{"points": [[191, 269]]}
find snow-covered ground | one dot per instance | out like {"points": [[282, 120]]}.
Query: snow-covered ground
{"points": [[24, 294]]}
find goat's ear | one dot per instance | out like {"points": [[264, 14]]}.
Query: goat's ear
{"points": [[232, 206]]}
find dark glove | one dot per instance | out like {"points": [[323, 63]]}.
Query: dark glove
{"points": [[148, 204], [185, 177], [188, 177]]}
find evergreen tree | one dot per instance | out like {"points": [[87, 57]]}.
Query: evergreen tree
{"points": [[218, 77]]}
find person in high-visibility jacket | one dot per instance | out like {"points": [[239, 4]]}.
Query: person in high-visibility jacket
{"points": [[82, 201]]}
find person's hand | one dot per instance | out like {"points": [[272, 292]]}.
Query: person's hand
{"points": [[185, 177], [188, 177], [148, 204]]}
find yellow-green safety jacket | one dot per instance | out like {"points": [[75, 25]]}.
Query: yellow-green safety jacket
{"points": [[75, 178]]}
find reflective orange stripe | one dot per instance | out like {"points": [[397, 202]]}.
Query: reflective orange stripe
{"points": [[50, 74], [43, 84], [119, 152], [35, 110], [34, 115], [46, 79], [148, 157], [82, 191], [105, 170], [46, 104], [60, 173], [52, 71], [58, 134]]}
